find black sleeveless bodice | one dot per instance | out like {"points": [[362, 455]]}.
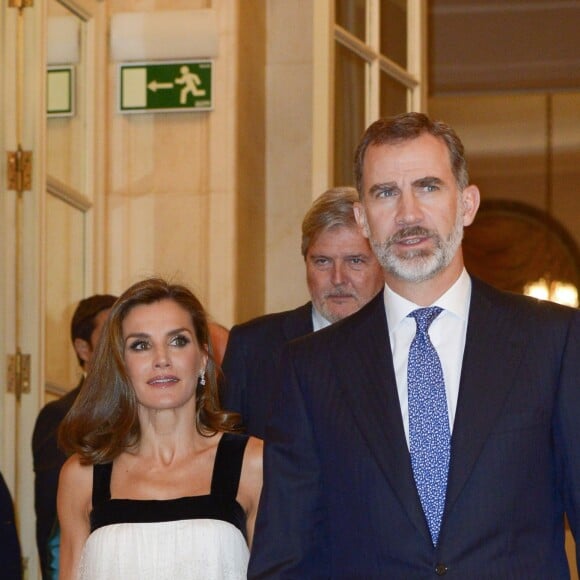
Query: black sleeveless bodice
{"points": [[220, 504]]}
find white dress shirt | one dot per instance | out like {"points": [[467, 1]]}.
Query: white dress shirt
{"points": [[447, 333], [318, 321]]}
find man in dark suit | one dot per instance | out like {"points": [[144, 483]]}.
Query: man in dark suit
{"points": [[342, 275], [346, 458], [10, 553], [86, 326]]}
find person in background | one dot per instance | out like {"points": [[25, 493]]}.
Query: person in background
{"points": [[10, 554], [435, 432], [342, 276], [160, 485], [86, 326], [218, 335]]}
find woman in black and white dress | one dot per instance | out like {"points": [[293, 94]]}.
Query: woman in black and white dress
{"points": [[160, 485]]}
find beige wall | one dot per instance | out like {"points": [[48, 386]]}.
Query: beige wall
{"points": [[505, 141], [172, 181], [288, 148], [216, 199]]}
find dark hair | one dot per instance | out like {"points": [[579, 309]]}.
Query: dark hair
{"points": [[103, 422], [331, 209], [83, 320], [393, 130]]}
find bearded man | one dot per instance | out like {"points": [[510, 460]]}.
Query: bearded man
{"points": [[434, 432]]}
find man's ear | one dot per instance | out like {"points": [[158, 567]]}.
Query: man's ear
{"points": [[361, 218], [83, 349], [470, 198]]}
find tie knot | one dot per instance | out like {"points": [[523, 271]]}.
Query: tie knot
{"points": [[425, 316]]}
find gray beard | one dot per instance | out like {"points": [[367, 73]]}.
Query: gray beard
{"points": [[419, 265]]}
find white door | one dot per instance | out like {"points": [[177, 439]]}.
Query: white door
{"points": [[50, 219]]}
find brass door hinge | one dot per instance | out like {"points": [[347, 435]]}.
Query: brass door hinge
{"points": [[20, 3], [19, 170], [18, 373]]}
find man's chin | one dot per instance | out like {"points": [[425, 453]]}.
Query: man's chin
{"points": [[338, 313], [418, 268], [414, 256]]}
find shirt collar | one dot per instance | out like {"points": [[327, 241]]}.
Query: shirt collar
{"points": [[318, 321], [455, 300]]}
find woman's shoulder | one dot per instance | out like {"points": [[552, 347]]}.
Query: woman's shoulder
{"points": [[75, 486], [76, 466], [76, 474]]}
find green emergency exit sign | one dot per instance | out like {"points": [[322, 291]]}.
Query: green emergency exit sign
{"points": [[165, 87]]}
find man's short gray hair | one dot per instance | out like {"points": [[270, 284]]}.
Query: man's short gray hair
{"points": [[332, 209]]}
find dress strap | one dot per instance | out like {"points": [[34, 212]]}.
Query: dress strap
{"points": [[228, 465], [102, 482]]}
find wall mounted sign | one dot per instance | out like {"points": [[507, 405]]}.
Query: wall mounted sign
{"points": [[60, 91], [165, 87]]}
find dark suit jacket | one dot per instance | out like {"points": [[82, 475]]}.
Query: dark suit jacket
{"points": [[251, 363], [48, 459], [10, 556], [339, 499]]}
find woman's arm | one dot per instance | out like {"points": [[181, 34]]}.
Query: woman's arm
{"points": [[75, 486], [251, 484]]}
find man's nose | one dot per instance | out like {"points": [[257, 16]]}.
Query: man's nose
{"points": [[338, 274], [408, 210]]}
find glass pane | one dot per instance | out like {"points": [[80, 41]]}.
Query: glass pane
{"points": [[351, 15], [394, 30], [64, 288], [393, 96], [66, 122], [349, 111]]}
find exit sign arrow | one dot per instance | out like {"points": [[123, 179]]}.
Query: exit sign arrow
{"points": [[155, 86]]}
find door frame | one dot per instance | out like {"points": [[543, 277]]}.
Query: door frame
{"points": [[23, 261]]}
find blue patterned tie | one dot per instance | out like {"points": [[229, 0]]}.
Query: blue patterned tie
{"points": [[429, 435]]}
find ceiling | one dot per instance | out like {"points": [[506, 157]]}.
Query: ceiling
{"points": [[480, 46]]}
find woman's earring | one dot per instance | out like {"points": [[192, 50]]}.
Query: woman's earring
{"points": [[202, 378]]}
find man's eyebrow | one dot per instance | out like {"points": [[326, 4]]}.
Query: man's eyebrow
{"points": [[382, 186], [428, 180]]}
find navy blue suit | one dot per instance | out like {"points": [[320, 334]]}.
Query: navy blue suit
{"points": [[251, 363], [339, 499]]}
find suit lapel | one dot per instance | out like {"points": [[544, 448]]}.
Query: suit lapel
{"points": [[493, 349], [298, 322], [371, 393]]}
